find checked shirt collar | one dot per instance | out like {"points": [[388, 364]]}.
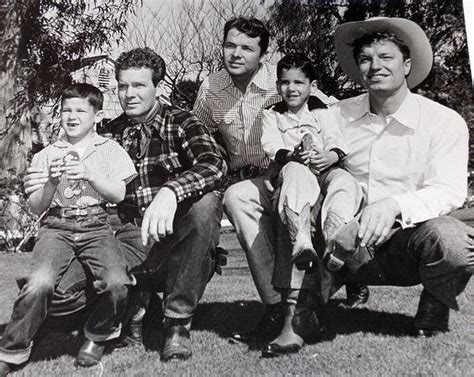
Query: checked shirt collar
{"points": [[137, 136]]}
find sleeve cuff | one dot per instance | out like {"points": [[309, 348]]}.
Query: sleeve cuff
{"points": [[405, 220], [340, 154], [280, 156]]}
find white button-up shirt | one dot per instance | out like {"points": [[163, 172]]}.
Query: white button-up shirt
{"points": [[285, 130], [417, 156]]}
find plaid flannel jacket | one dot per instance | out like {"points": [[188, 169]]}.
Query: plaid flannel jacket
{"points": [[181, 155]]}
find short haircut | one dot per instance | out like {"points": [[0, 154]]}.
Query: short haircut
{"points": [[296, 61], [251, 26], [82, 90], [142, 58], [378, 36]]}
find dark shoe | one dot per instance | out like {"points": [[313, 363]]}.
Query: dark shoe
{"points": [[4, 368], [301, 325], [357, 295], [268, 326], [177, 340], [275, 350], [90, 353], [432, 317]]}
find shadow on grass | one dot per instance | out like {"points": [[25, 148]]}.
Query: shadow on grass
{"points": [[337, 319], [62, 335], [227, 318]]}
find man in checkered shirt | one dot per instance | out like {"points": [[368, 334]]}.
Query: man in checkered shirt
{"points": [[170, 217]]}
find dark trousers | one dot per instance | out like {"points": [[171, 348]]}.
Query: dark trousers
{"points": [[179, 266], [434, 254], [92, 243]]}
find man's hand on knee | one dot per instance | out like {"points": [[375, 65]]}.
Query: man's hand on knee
{"points": [[159, 216], [376, 222]]}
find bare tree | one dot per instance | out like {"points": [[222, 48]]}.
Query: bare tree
{"points": [[187, 35]]}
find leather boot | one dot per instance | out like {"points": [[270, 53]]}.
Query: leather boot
{"points": [[299, 227], [301, 324], [432, 316], [268, 326]]}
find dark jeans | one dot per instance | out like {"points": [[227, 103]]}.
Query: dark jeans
{"points": [[434, 254], [179, 266], [60, 241]]}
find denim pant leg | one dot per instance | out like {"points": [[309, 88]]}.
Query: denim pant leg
{"points": [[100, 254], [249, 208], [183, 259], [434, 254], [72, 294], [51, 256]]}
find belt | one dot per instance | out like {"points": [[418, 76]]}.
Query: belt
{"points": [[247, 172], [73, 212]]}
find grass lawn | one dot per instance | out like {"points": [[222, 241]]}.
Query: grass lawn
{"points": [[373, 341]]}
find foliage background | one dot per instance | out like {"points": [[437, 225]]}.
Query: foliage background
{"points": [[43, 41]]}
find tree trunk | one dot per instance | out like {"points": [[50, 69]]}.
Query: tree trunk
{"points": [[15, 135]]}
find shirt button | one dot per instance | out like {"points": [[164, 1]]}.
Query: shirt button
{"points": [[168, 166], [408, 221], [143, 209]]}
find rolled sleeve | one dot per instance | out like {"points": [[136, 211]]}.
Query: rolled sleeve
{"points": [[121, 167]]}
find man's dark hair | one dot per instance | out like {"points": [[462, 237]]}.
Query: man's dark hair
{"points": [[142, 58], [296, 61], [378, 36], [82, 90], [251, 26]]}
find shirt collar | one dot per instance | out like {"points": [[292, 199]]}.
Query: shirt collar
{"points": [[260, 79], [407, 114]]}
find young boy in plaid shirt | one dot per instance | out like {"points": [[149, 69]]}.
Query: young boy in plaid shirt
{"points": [[85, 171]]}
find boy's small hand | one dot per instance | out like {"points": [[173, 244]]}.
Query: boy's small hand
{"points": [[35, 179], [321, 160], [55, 170], [76, 170], [301, 156]]}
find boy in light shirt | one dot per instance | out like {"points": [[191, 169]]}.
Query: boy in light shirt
{"points": [[302, 136], [85, 171]]}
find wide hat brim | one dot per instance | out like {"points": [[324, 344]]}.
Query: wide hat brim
{"points": [[410, 33]]}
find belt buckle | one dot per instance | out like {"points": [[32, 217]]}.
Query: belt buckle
{"points": [[73, 212]]}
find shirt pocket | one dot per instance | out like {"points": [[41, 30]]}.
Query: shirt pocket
{"points": [[233, 133], [168, 166]]}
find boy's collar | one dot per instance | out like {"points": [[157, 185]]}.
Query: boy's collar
{"points": [[313, 104], [63, 142]]}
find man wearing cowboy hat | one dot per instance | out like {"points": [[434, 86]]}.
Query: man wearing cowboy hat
{"points": [[409, 154]]}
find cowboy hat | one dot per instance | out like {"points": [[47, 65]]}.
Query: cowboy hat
{"points": [[407, 31]]}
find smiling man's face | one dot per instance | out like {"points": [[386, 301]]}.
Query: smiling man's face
{"points": [[382, 67]]}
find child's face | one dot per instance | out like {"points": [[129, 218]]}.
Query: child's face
{"points": [[78, 118], [295, 88]]}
